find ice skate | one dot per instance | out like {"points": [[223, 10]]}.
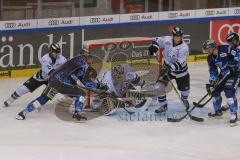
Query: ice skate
{"points": [[21, 116], [233, 119], [162, 109]]}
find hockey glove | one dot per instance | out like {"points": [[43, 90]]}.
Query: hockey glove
{"points": [[79, 83], [153, 48], [232, 67], [210, 87], [102, 87]]}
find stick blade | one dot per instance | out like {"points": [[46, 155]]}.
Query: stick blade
{"points": [[198, 105], [197, 119], [174, 119]]}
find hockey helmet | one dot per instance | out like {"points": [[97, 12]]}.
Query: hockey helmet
{"points": [[232, 36], [117, 72], [55, 47], [177, 31], [90, 75], [209, 44]]}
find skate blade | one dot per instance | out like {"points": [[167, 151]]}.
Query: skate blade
{"points": [[234, 124], [77, 121], [162, 113]]}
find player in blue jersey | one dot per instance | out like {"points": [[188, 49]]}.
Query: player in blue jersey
{"points": [[66, 80], [220, 65]]}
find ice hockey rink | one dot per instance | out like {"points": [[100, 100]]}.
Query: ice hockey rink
{"points": [[43, 136]]}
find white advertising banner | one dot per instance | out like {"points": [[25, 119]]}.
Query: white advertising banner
{"points": [[58, 22], [138, 17], [177, 14], [18, 24], [101, 19], [118, 18], [234, 11], [217, 12]]}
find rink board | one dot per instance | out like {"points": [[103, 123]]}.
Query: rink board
{"points": [[29, 72]]}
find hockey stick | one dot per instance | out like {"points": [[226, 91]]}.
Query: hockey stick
{"points": [[220, 82], [188, 112], [198, 119], [199, 105]]}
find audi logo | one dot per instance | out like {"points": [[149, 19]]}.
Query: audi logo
{"points": [[10, 25], [172, 15], [225, 29], [134, 17], [110, 47], [236, 11], [95, 20], [125, 45], [53, 22], [209, 13]]}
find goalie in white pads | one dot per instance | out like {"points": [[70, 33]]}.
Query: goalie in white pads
{"points": [[175, 53], [118, 80]]}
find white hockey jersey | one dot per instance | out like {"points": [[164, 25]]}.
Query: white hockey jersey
{"points": [[47, 65], [120, 88], [174, 55]]}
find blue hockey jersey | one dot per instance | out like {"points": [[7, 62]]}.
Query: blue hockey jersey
{"points": [[218, 64], [75, 70]]}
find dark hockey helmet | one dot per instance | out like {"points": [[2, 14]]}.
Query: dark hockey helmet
{"points": [[55, 47], [232, 36], [177, 31], [91, 74], [209, 44], [117, 72], [85, 54]]}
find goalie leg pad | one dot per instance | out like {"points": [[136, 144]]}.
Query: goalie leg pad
{"points": [[108, 106]]}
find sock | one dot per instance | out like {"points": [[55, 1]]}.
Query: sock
{"points": [[37, 103], [162, 100]]}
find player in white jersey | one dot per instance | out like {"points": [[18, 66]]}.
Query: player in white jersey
{"points": [[118, 81], [175, 53], [49, 62]]}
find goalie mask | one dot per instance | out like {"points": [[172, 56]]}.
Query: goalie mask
{"points": [[117, 72], [90, 75]]}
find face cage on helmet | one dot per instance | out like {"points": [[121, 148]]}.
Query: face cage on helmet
{"points": [[116, 75]]}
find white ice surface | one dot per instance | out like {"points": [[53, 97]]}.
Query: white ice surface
{"points": [[45, 137]]}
